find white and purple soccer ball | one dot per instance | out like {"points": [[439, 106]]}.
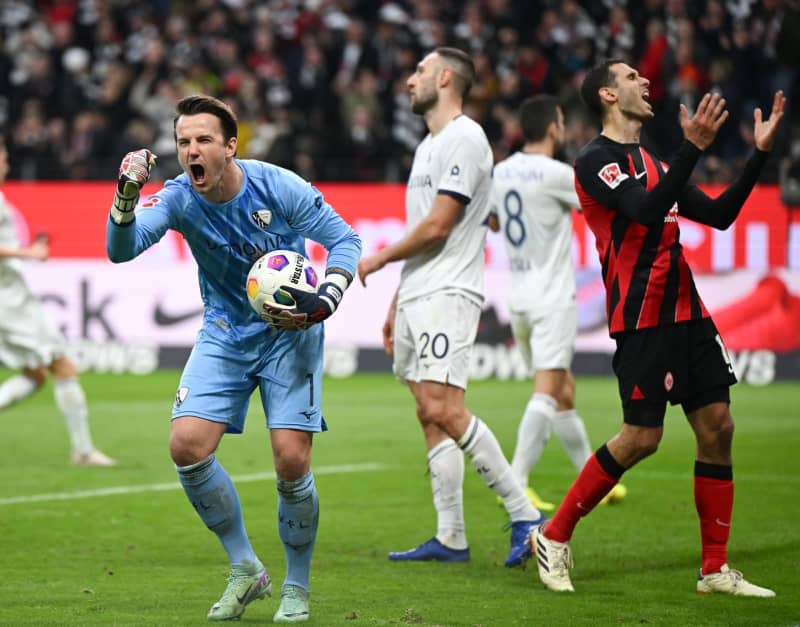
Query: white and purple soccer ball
{"points": [[277, 268]]}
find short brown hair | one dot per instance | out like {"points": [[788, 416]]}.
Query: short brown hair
{"points": [[462, 66], [192, 105]]}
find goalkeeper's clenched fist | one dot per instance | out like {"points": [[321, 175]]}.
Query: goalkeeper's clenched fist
{"points": [[134, 172]]}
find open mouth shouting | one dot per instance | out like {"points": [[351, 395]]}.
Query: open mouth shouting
{"points": [[198, 174]]}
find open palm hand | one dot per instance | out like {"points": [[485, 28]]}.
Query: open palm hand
{"points": [[765, 130]]}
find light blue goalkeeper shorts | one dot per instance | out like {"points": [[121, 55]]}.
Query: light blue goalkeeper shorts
{"points": [[221, 374]]}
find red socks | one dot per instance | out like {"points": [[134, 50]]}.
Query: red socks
{"points": [[592, 484], [713, 498]]}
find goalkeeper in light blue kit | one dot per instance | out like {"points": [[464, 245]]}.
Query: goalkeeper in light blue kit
{"points": [[231, 212]]}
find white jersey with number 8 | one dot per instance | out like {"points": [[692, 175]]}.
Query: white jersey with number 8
{"points": [[533, 196]]}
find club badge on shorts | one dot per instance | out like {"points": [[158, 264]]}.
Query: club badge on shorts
{"points": [[181, 395], [668, 381]]}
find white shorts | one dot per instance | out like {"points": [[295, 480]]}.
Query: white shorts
{"points": [[546, 342], [28, 338], [433, 338]]}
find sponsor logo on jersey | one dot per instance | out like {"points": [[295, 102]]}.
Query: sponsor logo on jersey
{"points": [[612, 175], [262, 218], [420, 180], [251, 250]]}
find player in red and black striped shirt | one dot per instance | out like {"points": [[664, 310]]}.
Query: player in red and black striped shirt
{"points": [[668, 349]]}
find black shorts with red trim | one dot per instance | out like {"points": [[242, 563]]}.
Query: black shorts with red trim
{"points": [[684, 363]]}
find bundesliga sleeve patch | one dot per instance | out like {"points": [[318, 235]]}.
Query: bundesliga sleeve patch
{"points": [[612, 175]]}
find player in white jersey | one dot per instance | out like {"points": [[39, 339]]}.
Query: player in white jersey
{"points": [[30, 342], [433, 319], [531, 201]]}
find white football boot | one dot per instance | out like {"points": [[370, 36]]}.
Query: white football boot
{"points": [[729, 581], [92, 458], [554, 559]]}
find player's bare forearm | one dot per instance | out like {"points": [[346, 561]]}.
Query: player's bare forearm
{"points": [[429, 232], [423, 237], [388, 327], [419, 240], [11, 252], [37, 250]]}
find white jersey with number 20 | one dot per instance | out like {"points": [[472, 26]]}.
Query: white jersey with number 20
{"points": [[456, 161], [533, 196]]}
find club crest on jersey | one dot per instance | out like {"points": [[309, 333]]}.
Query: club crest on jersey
{"points": [[612, 175], [262, 218], [181, 395]]}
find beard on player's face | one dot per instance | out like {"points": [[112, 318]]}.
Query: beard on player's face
{"points": [[424, 101]]}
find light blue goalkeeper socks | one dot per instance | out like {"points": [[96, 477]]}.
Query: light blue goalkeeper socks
{"points": [[298, 517], [213, 495]]}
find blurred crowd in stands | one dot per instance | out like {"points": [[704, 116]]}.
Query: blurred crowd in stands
{"points": [[319, 85]]}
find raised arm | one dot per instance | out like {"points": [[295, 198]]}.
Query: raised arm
{"points": [[125, 239], [605, 179], [720, 212], [699, 132]]}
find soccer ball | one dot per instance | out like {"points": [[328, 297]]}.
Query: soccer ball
{"points": [[270, 272]]}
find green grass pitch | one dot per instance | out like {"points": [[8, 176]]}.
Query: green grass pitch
{"points": [[137, 554]]}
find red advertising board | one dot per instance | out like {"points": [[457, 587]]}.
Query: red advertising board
{"points": [[75, 214], [748, 276]]}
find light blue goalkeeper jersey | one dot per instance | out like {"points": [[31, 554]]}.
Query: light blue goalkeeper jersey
{"points": [[275, 209]]}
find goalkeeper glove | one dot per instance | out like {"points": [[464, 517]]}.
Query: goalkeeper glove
{"points": [[134, 172], [321, 304], [309, 307], [285, 319]]}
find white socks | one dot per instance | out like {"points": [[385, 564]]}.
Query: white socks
{"points": [[446, 465], [487, 457], [540, 417], [532, 435], [571, 431], [16, 388], [71, 402]]}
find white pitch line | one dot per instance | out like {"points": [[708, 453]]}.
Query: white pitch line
{"points": [[162, 487]]}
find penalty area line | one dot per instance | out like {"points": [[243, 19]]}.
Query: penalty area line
{"points": [[342, 469]]}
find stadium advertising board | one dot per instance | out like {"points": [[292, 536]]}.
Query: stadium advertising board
{"points": [[136, 316]]}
